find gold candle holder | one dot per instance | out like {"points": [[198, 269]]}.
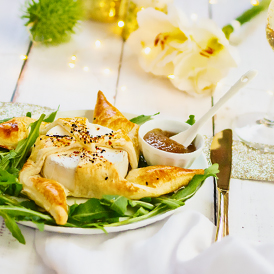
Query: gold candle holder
{"points": [[102, 10], [129, 16], [113, 10]]}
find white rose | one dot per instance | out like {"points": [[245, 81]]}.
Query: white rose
{"points": [[198, 55], [206, 62], [158, 40]]}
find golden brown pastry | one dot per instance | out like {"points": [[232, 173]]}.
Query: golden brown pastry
{"points": [[151, 181], [105, 114], [154, 181], [47, 193], [15, 130]]}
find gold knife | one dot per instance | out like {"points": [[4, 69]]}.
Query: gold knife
{"points": [[221, 153]]}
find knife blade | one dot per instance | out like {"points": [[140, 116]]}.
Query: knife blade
{"points": [[221, 153]]}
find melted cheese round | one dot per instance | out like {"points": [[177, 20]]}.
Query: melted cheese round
{"points": [[61, 167]]}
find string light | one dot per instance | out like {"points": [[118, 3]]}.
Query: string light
{"points": [[171, 76], [193, 16], [147, 50], [270, 92], [123, 88], [85, 68], [107, 71], [213, 2], [97, 43], [23, 57], [219, 85], [254, 2], [73, 57], [121, 24], [111, 13], [71, 65]]}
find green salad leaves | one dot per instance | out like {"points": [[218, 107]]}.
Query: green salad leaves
{"points": [[111, 210], [142, 118]]}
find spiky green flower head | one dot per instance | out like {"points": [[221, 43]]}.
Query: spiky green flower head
{"points": [[52, 22]]}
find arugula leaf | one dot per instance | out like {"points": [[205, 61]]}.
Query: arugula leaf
{"points": [[142, 161], [15, 159], [72, 208], [3, 152], [29, 204], [140, 212], [7, 178], [9, 183], [157, 210], [140, 203], [191, 120], [7, 200], [24, 146], [23, 213], [196, 182], [5, 159], [171, 203], [116, 203], [13, 228], [19, 155], [14, 189], [5, 120], [95, 225], [40, 226], [142, 118], [91, 210], [52, 116]]}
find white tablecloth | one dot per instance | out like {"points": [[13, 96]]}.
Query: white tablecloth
{"points": [[182, 243]]}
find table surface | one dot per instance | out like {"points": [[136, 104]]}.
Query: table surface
{"points": [[46, 79]]}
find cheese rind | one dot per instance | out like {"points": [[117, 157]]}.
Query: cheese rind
{"points": [[61, 168]]}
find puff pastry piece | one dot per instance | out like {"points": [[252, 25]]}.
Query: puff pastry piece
{"points": [[49, 194], [101, 178], [15, 130], [154, 181], [107, 115]]}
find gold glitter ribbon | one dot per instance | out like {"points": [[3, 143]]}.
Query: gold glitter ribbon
{"points": [[247, 163], [10, 110]]}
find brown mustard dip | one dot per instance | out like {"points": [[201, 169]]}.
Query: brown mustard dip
{"points": [[159, 139]]}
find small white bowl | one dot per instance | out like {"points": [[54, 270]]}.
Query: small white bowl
{"points": [[156, 156]]}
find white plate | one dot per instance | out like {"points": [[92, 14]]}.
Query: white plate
{"points": [[10, 110]]}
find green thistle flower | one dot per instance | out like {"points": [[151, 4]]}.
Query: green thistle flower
{"points": [[52, 22]]}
